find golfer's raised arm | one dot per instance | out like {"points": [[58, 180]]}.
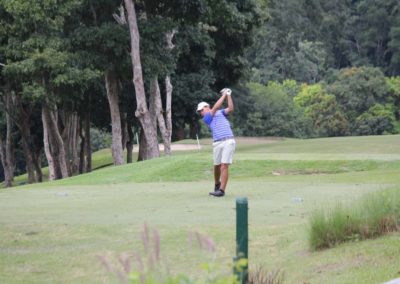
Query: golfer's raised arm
{"points": [[230, 107], [218, 104]]}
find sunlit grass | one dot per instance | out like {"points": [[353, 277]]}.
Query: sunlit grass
{"points": [[54, 231]]}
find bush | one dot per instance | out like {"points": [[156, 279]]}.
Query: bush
{"points": [[100, 139], [374, 215], [322, 109], [273, 112], [377, 120]]}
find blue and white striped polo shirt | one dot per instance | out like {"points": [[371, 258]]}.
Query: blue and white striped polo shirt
{"points": [[218, 124]]}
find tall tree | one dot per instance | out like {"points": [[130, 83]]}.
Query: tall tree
{"points": [[150, 144], [103, 42], [48, 72]]}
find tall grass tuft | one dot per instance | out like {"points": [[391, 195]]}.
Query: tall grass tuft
{"points": [[374, 215], [150, 267], [261, 276]]}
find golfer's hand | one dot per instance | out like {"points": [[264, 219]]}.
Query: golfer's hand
{"points": [[226, 91]]}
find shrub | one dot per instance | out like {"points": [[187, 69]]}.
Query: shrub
{"points": [[100, 139], [374, 215]]}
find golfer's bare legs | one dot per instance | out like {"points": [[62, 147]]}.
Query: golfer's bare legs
{"points": [[224, 175], [217, 173]]}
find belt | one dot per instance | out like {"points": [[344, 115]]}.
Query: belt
{"points": [[223, 139]]}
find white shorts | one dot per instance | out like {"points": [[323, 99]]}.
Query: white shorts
{"points": [[223, 151]]}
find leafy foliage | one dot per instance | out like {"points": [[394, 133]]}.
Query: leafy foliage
{"points": [[323, 110], [273, 113], [377, 120]]}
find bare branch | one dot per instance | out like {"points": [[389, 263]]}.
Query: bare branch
{"points": [[121, 18], [169, 36]]}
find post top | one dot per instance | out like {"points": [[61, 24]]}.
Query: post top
{"points": [[241, 200]]}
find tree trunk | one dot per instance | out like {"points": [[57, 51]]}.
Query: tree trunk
{"points": [[47, 151], [194, 128], [6, 167], [124, 130], [82, 163], [158, 112], [74, 144], [85, 154], [70, 140], [6, 147], [142, 112], [30, 166], [168, 90], [112, 95], [31, 152], [143, 149], [179, 134], [168, 112], [129, 142], [88, 140], [57, 149], [127, 137], [38, 165]]}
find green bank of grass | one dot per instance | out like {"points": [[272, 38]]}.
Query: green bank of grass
{"points": [[198, 166], [372, 216], [53, 232], [100, 159]]}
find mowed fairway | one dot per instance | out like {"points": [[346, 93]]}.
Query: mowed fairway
{"points": [[53, 232]]}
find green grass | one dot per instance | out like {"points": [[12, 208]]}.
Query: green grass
{"points": [[52, 232], [372, 216]]}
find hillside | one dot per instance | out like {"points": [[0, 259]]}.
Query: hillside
{"points": [[52, 232]]}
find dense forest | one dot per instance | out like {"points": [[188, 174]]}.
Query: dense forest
{"points": [[79, 75]]}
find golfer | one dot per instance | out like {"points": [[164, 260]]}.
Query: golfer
{"points": [[224, 142]]}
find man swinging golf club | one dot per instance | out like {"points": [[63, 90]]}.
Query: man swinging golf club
{"points": [[224, 142]]}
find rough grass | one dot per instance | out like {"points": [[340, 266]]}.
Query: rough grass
{"points": [[53, 232], [373, 215]]}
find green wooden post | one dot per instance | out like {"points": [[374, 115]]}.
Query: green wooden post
{"points": [[242, 238]]}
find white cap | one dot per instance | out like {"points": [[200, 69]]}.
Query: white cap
{"points": [[201, 105]]}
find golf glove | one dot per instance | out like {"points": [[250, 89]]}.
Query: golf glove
{"points": [[227, 91]]}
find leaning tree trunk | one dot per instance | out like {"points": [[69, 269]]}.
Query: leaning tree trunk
{"points": [[112, 95], [158, 112], [47, 150], [31, 152], [57, 149], [142, 112]]}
